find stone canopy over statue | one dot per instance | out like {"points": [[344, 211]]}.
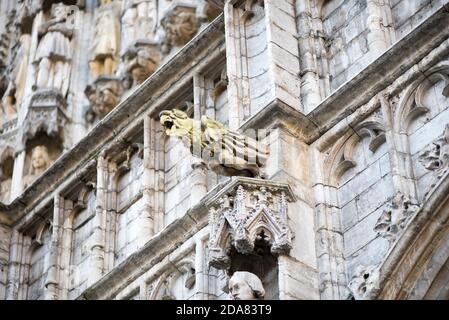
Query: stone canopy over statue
{"points": [[226, 152]]}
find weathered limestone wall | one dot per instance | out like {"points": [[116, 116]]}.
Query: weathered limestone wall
{"points": [[358, 154], [346, 32], [408, 14]]}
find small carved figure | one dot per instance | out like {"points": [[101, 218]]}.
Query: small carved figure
{"points": [[106, 44], [246, 286], [54, 52], [40, 160], [104, 94], [180, 26], [226, 152]]}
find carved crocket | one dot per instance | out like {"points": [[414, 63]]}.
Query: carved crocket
{"points": [[226, 152]]}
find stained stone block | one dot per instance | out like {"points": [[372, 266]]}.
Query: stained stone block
{"points": [[361, 234]]}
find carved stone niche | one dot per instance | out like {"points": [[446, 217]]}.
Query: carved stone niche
{"points": [[396, 216], [141, 60], [46, 113], [104, 95], [247, 211], [180, 25]]}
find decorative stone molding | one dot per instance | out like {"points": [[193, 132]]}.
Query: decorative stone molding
{"points": [[46, 113], [436, 158], [396, 216], [364, 285], [141, 60], [104, 95], [342, 155], [245, 211], [180, 25], [163, 288]]}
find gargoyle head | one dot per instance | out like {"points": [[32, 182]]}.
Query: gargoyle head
{"points": [[176, 122]]}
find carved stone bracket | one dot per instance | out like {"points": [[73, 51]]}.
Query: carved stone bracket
{"points": [[141, 60], [245, 211], [396, 216], [364, 285], [180, 25], [436, 158], [46, 113], [104, 95]]}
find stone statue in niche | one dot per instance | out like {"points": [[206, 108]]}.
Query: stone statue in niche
{"points": [[40, 161], [226, 152], [106, 43], [14, 93], [246, 286], [54, 52]]}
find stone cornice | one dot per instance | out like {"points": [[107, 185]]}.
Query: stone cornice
{"points": [[382, 74]]}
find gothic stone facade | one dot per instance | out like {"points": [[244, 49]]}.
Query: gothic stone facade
{"points": [[98, 202]]}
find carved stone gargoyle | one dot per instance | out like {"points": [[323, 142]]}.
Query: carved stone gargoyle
{"points": [[226, 152]]}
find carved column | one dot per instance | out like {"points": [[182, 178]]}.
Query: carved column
{"points": [[400, 161], [315, 84], [18, 173], [329, 240], [66, 248], [115, 171], [97, 263], [17, 269], [199, 175], [381, 32], [147, 217], [159, 199], [276, 66], [52, 282]]}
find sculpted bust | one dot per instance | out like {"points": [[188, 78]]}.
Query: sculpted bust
{"points": [[40, 161], [246, 286]]}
